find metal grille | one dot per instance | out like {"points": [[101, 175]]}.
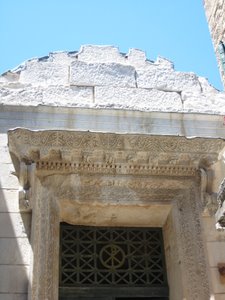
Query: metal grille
{"points": [[107, 257]]}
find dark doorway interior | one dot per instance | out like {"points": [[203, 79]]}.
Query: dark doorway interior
{"points": [[112, 263]]}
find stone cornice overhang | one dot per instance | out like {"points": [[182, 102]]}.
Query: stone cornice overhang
{"points": [[85, 153], [63, 151]]}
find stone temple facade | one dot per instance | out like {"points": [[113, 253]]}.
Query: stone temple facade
{"points": [[101, 151]]}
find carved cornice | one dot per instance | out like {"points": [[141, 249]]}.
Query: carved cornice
{"points": [[108, 153], [58, 152], [56, 139]]}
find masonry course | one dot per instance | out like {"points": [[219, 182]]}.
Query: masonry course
{"points": [[102, 77]]}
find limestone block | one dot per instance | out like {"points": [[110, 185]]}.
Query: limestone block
{"points": [[7, 179], [206, 86], [164, 63], [152, 76], [44, 73], [9, 200], [60, 57], [14, 279], [100, 54], [9, 76], [138, 99], [217, 286], [213, 103], [216, 253], [136, 57], [14, 225], [93, 74], [23, 95], [14, 251], [13, 296], [68, 96]]}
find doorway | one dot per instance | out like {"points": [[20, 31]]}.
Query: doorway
{"points": [[112, 263]]}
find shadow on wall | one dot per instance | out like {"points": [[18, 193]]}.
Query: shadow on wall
{"points": [[15, 247]]}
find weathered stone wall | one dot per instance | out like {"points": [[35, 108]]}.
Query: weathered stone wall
{"points": [[97, 89], [101, 77], [215, 13], [14, 232]]}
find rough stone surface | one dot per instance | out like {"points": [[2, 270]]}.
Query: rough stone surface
{"points": [[44, 73], [68, 96], [102, 74], [100, 54], [52, 95], [136, 57], [21, 95], [88, 79], [153, 76], [137, 99], [204, 103]]}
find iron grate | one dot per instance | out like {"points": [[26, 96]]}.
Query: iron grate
{"points": [[107, 257]]}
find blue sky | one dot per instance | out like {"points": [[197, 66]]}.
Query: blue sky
{"points": [[174, 29]]}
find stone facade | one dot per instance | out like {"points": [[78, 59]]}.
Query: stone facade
{"points": [[216, 20], [100, 138]]}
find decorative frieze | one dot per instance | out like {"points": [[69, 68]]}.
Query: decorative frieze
{"points": [[92, 154], [54, 167], [137, 152]]}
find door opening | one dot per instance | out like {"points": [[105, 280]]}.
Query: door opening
{"points": [[112, 263]]}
